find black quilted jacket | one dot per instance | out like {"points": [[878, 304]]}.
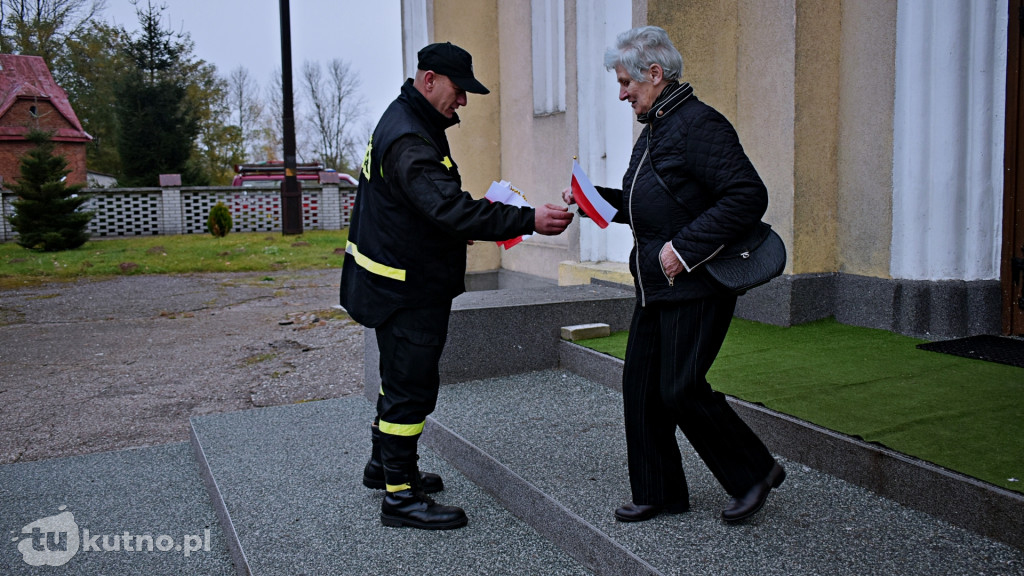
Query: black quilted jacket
{"points": [[690, 182]]}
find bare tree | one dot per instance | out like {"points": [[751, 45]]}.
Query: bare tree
{"points": [[246, 110], [44, 28], [271, 132], [335, 109]]}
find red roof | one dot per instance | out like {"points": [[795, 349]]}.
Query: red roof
{"points": [[28, 78]]}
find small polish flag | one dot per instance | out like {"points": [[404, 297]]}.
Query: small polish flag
{"points": [[588, 199]]}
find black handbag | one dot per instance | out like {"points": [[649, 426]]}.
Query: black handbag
{"points": [[749, 263]]}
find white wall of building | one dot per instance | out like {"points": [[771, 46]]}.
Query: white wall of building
{"points": [[605, 123]]}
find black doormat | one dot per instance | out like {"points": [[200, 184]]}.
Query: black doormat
{"points": [[991, 348]]}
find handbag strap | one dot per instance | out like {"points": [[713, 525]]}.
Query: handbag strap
{"points": [[661, 182], [745, 244]]}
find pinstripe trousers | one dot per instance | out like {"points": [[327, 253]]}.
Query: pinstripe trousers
{"points": [[671, 348]]}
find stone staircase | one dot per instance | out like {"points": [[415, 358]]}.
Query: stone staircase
{"points": [[528, 436]]}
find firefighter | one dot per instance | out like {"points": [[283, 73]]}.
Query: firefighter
{"points": [[405, 262]]}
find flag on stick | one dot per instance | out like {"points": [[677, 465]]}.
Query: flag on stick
{"points": [[588, 199]]}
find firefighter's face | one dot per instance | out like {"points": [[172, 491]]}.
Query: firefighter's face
{"points": [[445, 96]]}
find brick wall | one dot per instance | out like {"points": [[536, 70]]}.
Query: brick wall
{"points": [[46, 118]]}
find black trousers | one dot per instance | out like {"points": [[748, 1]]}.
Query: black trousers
{"points": [[671, 348], [410, 342]]}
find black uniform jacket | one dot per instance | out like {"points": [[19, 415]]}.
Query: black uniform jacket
{"points": [[411, 219], [690, 182]]}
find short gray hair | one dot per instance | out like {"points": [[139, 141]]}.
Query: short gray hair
{"points": [[636, 49]]}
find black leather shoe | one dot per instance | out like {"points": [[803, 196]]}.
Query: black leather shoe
{"points": [[754, 499], [639, 512], [373, 477], [415, 509]]}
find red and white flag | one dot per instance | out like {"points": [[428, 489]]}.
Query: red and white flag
{"points": [[506, 193], [588, 199]]}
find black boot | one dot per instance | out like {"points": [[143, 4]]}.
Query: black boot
{"points": [[414, 508], [373, 473]]}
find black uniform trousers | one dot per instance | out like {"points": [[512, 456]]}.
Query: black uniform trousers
{"points": [[671, 348], [410, 342]]}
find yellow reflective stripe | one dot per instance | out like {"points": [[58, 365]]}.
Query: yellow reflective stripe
{"points": [[375, 267], [447, 162], [397, 487], [366, 159], [401, 429]]}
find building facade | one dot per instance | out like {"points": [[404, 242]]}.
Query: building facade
{"points": [[31, 99], [884, 130]]}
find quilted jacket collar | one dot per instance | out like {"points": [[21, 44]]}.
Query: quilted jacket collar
{"points": [[670, 98]]}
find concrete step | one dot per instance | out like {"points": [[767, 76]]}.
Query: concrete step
{"points": [[138, 511], [572, 273], [288, 481], [549, 446]]}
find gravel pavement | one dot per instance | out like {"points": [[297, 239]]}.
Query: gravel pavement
{"points": [[97, 365]]}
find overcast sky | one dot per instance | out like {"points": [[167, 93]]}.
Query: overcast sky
{"points": [[232, 33]]}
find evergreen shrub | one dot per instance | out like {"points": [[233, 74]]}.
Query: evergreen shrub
{"points": [[219, 221], [46, 214]]}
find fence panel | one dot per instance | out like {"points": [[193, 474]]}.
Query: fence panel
{"points": [[153, 211], [128, 214]]}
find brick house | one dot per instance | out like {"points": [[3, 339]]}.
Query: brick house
{"points": [[29, 98]]}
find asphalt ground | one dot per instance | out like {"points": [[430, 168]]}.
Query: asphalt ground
{"points": [[98, 365]]}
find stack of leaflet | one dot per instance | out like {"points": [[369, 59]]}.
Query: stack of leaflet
{"points": [[506, 193]]}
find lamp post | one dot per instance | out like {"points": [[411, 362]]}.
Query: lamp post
{"points": [[291, 191]]}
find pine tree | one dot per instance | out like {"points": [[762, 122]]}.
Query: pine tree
{"points": [[157, 121], [46, 214]]}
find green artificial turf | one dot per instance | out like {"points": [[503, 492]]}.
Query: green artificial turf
{"points": [[963, 414]]}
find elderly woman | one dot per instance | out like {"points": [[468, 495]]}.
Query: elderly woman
{"points": [[689, 191]]}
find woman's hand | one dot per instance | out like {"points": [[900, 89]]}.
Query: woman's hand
{"points": [[669, 263], [567, 197]]}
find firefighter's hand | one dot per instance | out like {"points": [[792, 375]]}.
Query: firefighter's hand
{"points": [[567, 197], [551, 220]]}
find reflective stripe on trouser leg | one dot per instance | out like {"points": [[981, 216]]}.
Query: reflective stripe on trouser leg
{"points": [[401, 429]]}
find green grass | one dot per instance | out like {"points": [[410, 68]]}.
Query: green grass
{"points": [[178, 254], [966, 415]]}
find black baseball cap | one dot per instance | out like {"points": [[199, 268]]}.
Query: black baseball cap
{"points": [[454, 62]]}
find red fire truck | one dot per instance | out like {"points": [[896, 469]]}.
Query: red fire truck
{"points": [[254, 174]]}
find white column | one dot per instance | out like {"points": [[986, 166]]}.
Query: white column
{"points": [[330, 207], [605, 124], [171, 211], [417, 31], [948, 139]]}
